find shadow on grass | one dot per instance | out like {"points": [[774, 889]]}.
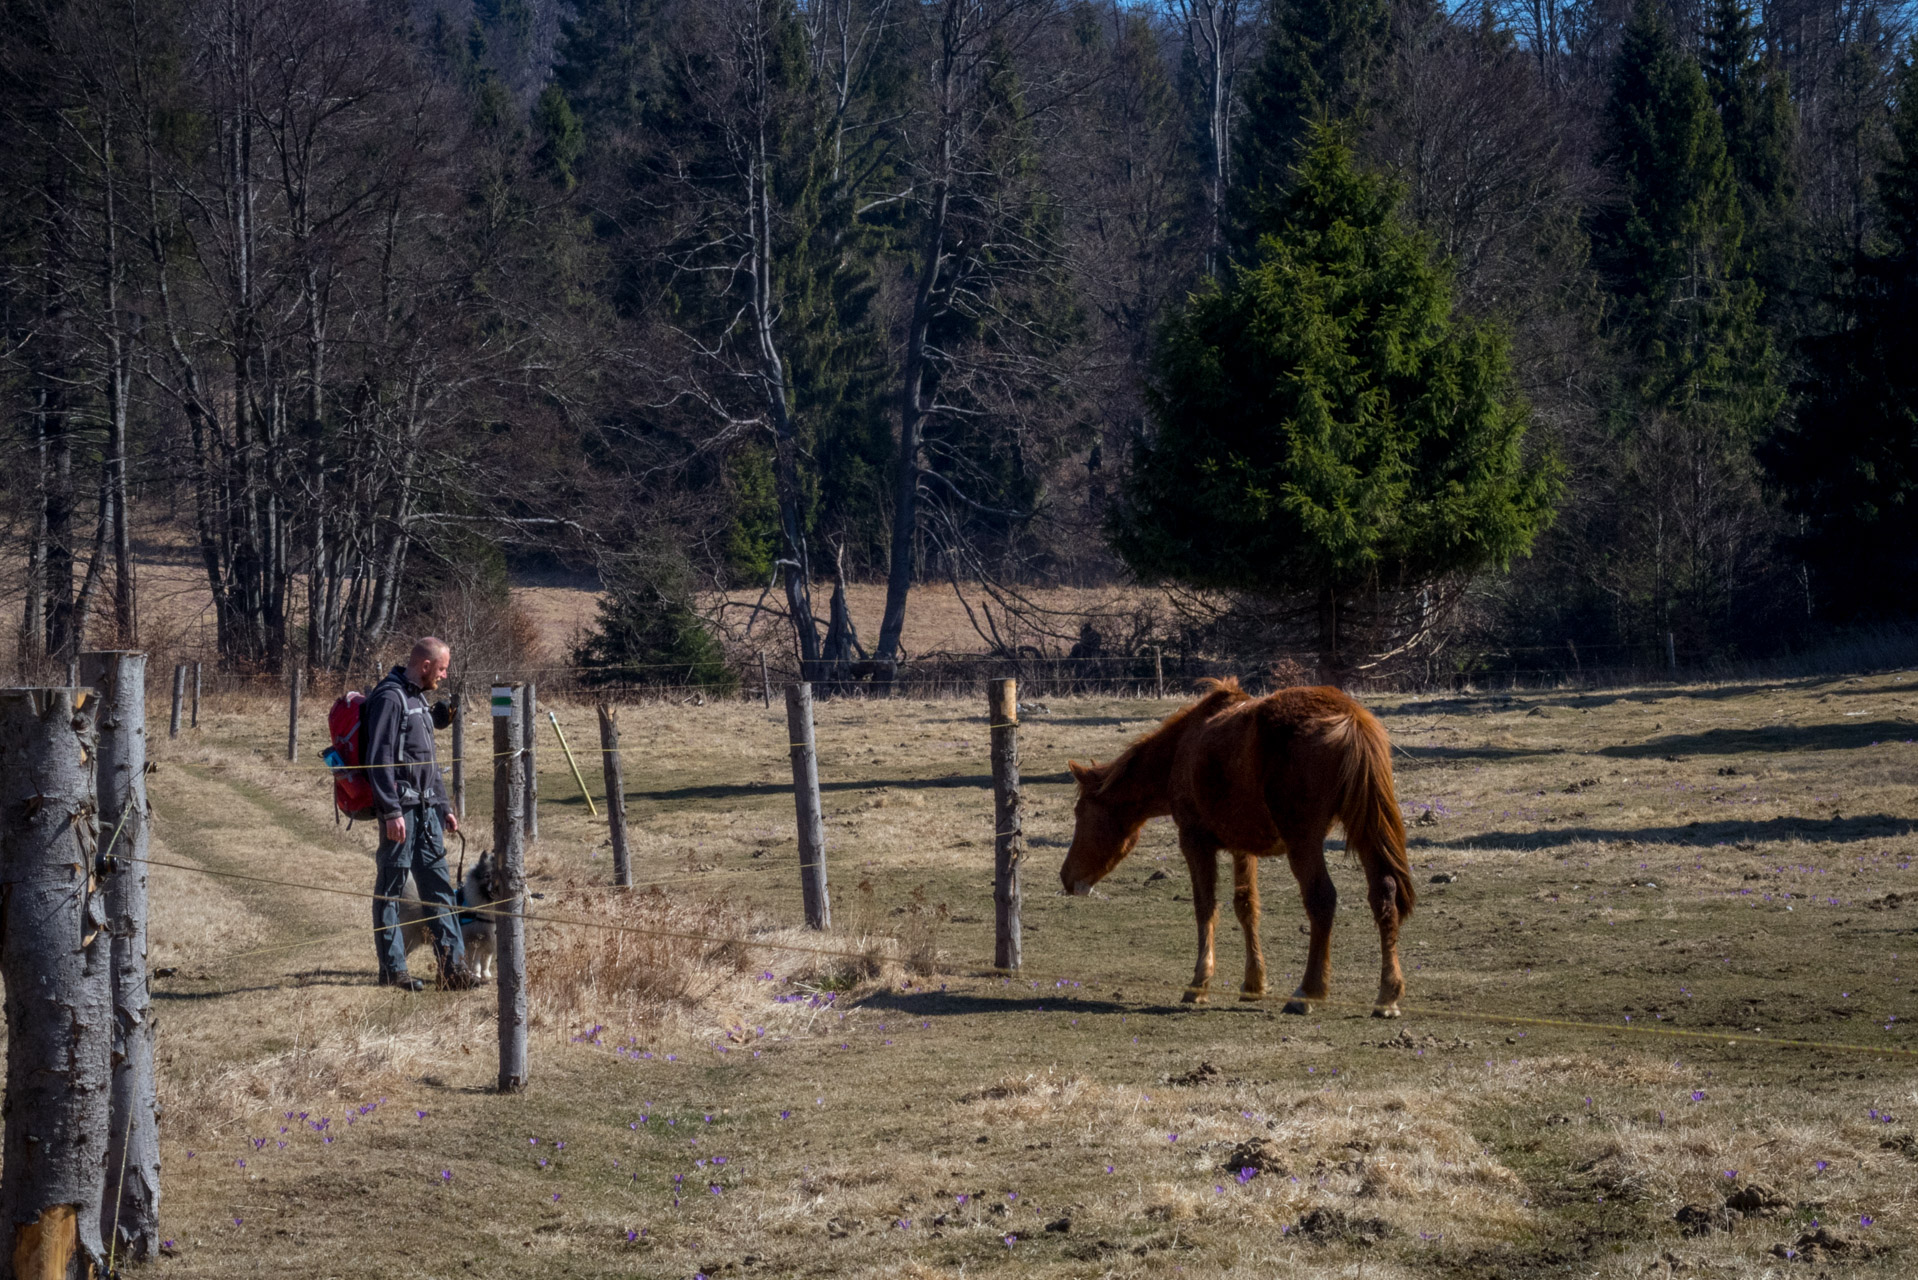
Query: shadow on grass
{"points": [[1841, 736], [769, 790], [310, 978], [1590, 699], [934, 1004], [1872, 826]]}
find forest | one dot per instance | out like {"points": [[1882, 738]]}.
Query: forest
{"points": [[1366, 336]]}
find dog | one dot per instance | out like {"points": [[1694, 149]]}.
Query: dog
{"points": [[478, 888]]}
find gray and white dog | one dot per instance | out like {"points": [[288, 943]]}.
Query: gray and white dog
{"points": [[476, 925]]}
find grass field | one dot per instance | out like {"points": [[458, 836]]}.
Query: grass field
{"points": [[1724, 860]]}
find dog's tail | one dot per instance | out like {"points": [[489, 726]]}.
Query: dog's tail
{"points": [[1368, 806]]}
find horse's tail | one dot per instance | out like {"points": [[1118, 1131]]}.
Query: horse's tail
{"points": [[1368, 806]]}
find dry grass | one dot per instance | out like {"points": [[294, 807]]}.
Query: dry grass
{"points": [[1618, 855]]}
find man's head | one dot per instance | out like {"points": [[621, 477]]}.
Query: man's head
{"points": [[426, 665]]}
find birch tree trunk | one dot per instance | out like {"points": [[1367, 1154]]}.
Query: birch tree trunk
{"points": [[130, 1207], [56, 957]]}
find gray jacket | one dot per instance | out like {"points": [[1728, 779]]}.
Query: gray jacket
{"points": [[396, 729]]}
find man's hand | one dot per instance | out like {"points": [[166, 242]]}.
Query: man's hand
{"points": [[394, 829], [452, 823]]}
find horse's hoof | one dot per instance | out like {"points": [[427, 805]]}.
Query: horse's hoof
{"points": [[1296, 1006], [1195, 995], [1386, 1010], [1250, 996]]}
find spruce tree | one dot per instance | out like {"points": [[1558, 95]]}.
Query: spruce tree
{"points": [[1752, 94], [1848, 464], [1325, 424], [1698, 386], [1753, 98], [1318, 63]]}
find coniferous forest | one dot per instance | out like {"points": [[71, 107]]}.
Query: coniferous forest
{"points": [[1384, 335]]}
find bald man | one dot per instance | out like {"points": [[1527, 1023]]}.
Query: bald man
{"points": [[396, 740]]}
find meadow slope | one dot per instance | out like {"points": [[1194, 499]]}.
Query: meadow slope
{"points": [[1725, 860]]}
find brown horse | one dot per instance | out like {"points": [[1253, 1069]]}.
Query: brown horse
{"points": [[1258, 777]]}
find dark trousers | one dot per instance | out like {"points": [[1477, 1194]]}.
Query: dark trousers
{"points": [[423, 854]]}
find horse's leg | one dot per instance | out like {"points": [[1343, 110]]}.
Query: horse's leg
{"points": [[1321, 901], [1245, 902], [1383, 894], [1202, 860]]}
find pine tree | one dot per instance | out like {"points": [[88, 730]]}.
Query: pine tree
{"points": [[1848, 464], [1318, 63], [1325, 423]]}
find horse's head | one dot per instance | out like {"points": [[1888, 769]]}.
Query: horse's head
{"points": [[1104, 829]]}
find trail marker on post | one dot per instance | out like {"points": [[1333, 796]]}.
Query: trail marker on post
{"points": [[509, 847], [812, 825], [1008, 834], [130, 1207], [615, 793]]}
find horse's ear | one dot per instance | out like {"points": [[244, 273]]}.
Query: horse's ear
{"points": [[1079, 771]]}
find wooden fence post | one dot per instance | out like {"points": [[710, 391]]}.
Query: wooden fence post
{"points": [[56, 961], [812, 825], [459, 751], [130, 1207], [765, 682], [196, 694], [509, 850], [529, 730], [179, 695], [1158, 670], [1008, 835], [293, 714], [615, 793]]}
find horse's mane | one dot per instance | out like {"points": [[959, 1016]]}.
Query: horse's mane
{"points": [[1214, 695]]}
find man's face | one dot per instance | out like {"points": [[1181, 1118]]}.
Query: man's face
{"points": [[433, 669]]}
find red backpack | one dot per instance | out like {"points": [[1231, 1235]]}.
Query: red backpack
{"points": [[352, 790]]}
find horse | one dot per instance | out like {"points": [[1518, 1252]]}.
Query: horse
{"points": [[1257, 777]]}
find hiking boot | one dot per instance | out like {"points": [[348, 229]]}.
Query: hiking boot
{"points": [[458, 979], [403, 980]]}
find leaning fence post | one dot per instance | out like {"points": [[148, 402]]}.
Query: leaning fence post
{"points": [[56, 960], [765, 682], [1008, 836], [293, 714], [459, 751], [179, 695], [812, 826], [615, 793], [529, 736], [130, 1206], [196, 694], [509, 849]]}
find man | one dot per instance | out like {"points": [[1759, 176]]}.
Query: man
{"points": [[396, 738]]}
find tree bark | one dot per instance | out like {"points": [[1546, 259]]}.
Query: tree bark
{"points": [[130, 1207], [912, 416], [56, 957]]}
